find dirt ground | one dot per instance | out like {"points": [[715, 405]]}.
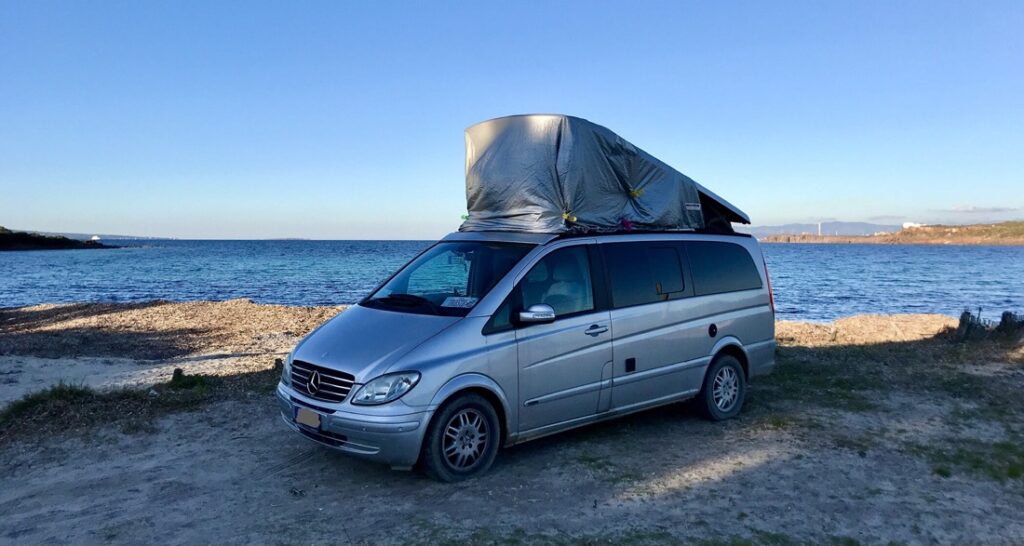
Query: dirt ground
{"points": [[873, 430]]}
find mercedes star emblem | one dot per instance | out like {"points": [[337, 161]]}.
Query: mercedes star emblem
{"points": [[313, 383]]}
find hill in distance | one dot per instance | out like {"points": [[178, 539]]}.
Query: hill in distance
{"points": [[827, 228], [1005, 233], [89, 236]]}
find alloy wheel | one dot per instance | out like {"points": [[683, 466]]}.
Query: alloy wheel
{"points": [[726, 388], [465, 439]]}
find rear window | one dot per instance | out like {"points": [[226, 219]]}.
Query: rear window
{"points": [[721, 267], [642, 273]]}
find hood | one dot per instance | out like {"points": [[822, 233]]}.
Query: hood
{"points": [[366, 342]]}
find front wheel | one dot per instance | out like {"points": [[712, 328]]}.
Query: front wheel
{"points": [[724, 390], [462, 441]]}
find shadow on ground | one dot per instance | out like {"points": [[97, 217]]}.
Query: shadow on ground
{"points": [[80, 330]]}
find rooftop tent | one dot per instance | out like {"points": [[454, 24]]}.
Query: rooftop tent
{"points": [[560, 174]]}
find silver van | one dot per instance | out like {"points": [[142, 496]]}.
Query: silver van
{"points": [[489, 339]]}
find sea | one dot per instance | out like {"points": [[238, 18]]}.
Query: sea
{"points": [[812, 282]]}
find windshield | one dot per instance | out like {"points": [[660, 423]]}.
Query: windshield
{"points": [[449, 278]]}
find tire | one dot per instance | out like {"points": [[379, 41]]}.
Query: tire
{"points": [[462, 440], [727, 401]]}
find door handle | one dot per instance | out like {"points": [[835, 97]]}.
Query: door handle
{"points": [[596, 330]]}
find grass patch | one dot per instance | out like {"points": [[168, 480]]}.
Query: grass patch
{"points": [[606, 470], [63, 394], [824, 382], [65, 409], [859, 443], [179, 380], [1000, 461], [961, 384], [856, 378], [437, 535], [432, 533], [596, 464], [763, 538]]}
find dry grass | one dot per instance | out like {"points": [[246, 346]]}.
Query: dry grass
{"points": [[870, 372], [75, 410], [153, 330]]}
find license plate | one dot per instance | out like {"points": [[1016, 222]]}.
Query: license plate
{"points": [[307, 417]]}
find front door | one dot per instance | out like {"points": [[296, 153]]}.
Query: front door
{"points": [[560, 363]]}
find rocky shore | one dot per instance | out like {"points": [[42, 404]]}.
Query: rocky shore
{"points": [[20, 240]]}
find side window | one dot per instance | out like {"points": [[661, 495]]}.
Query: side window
{"points": [[668, 273], [562, 280], [721, 267], [501, 320], [643, 273]]}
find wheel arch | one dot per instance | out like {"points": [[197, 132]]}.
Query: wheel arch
{"points": [[484, 386], [731, 346]]}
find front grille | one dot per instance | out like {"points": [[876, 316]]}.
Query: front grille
{"points": [[334, 386]]}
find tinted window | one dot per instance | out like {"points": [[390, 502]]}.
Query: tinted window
{"points": [[668, 274], [501, 319], [643, 273], [562, 280], [721, 267]]}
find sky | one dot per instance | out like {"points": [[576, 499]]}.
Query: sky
{"points": [[345, 120]]}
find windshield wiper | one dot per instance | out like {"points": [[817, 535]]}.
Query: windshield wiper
{"points": [[409, 300]]}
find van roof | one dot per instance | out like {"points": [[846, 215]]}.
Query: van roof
{"points": [[544, 238]]}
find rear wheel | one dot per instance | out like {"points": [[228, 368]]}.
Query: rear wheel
{"points": [[724, 390], [462, 441]]}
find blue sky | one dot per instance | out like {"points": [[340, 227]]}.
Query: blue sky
{"points": [[345, 120]]}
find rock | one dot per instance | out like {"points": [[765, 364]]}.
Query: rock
{"points": [[1010, 323]]}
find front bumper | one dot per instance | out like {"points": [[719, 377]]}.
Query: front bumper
{"points": [[385, 438]]}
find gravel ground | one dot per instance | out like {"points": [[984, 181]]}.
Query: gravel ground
{"points": [[873, 430]]}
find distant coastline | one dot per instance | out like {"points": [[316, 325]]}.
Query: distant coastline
{"points": [[1003, 234], [20, 240]]}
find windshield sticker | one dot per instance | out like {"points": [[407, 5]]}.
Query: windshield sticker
{"points": [[463, 302]]}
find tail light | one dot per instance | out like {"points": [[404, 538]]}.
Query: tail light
{"points": [[771, 296]]}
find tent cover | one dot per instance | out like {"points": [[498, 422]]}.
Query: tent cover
{"points": [[561, 174]]}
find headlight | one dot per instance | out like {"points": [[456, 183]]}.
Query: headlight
{"points": [[286, 371], [385, 388]]}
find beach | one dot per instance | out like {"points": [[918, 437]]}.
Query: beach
{"points": [[872, 429]]}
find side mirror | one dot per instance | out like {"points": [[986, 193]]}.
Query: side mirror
{"points": [[537, 313]]}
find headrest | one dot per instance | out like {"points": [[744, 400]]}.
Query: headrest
{"points": [[539, 273], [566, 271]]}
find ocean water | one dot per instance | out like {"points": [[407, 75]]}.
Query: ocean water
{"points": [[811, 282]]}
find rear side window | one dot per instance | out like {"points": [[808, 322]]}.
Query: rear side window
{"points": [[642, 273], [721, 267]]}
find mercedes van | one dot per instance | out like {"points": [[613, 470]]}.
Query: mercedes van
{"points": [[489, 339]]}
